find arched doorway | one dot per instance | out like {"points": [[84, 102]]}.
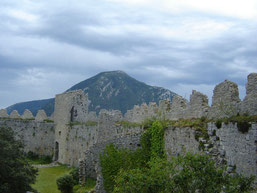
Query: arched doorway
{"points": [[56, 151]]}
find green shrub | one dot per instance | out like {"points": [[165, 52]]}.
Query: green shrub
{"points": [[218, 124], [85, 188], [75, 175], [31, 155], [65, 184], [243, 126]]}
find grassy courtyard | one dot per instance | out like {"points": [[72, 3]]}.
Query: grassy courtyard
{"points": [[46, 179]]}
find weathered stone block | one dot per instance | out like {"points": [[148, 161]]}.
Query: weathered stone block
{"points": [[41, 115], [225, 100], [27, 115], [15, 115], [198, 106], [3, 113], [249, 104]]}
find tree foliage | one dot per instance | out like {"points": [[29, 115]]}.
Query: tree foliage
{"points": [[183, 174], [16, 174], [114, 159], [65, 183]]}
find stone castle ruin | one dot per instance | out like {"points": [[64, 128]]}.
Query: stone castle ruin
{"points": [[75, 136]]}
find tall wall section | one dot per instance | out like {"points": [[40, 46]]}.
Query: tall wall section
{"points": [[37, 133], [70, 107]]}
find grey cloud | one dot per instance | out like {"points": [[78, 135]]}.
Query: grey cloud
{"points": [[63, 42]]}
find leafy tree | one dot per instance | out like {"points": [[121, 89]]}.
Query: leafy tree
{"points": [[16, 174]]}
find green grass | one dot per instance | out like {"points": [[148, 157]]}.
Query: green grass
{"points": [[40, 160], [90, 184], [46, 179]]}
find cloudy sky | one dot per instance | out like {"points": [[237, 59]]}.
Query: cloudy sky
{"points": [[48, 46]]}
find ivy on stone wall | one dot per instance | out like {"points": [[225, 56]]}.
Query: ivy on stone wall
{"points": [[113, 159]]}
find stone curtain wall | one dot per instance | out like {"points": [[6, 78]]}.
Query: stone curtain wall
{"points": [[37, 136]]}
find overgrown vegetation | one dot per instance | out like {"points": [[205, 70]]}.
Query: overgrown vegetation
{"points": [[114, 159], [127, 124], [34, 158], [146, 170], [48, 121], [89, 185], [243, 122], [16, 174], [183, 174]]}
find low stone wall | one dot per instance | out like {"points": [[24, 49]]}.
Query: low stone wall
{"points": [[38, 137]]}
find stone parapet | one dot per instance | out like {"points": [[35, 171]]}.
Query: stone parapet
{"points": [[15, 115], [41, 115], [3, 113], [27, 115]]}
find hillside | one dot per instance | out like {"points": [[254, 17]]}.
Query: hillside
{"points": [[108, 90]]}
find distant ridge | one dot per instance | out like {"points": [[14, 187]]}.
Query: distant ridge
{"points": [[106, 90]]}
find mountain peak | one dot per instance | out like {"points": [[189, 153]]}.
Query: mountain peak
{"points": [[111, 90], [114, 72]]}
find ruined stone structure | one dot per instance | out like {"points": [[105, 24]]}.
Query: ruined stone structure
{"points": [[80, 136]]}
